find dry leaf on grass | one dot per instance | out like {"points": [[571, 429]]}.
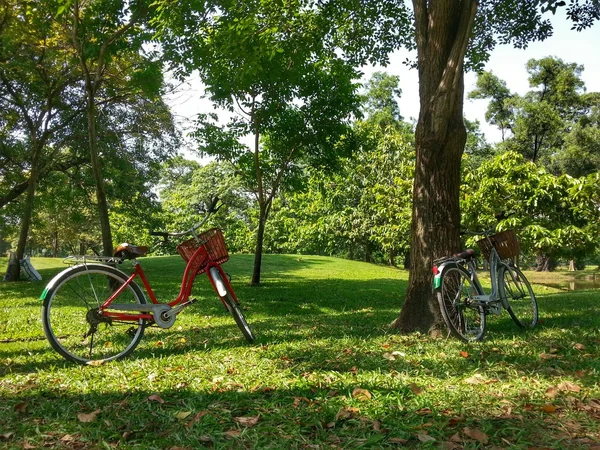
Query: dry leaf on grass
{"points": [[416, 389], [232, 433], [346, 413], [476, 434], [89, 417], [464, 354], [361, 394], [196, 418], [567, 386], [6, 436], [247, 421], [155, 398], [551, 392], [425, 437], [550, 409], [21, 407]]}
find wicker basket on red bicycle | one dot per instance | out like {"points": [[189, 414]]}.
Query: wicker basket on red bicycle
{"points": [[215, 246], [505, 243]]}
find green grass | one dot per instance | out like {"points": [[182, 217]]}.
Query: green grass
{"points": [[322, 327]]}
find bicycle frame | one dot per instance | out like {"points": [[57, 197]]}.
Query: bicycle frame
{"points": [[189, 275], [489, 301]]}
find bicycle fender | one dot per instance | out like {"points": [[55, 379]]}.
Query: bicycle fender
{"points": [[437, 277], [52, 282], [219, 284]]}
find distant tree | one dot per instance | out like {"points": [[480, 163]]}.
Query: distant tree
{"points": [[108, 43], [551, 219], [499, 112], [37, 100], [269, 67]]}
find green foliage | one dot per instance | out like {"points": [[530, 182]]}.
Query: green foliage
{"points": [[547, 210], [186, 191]]}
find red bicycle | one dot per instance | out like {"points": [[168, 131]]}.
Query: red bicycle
{"points": [[94, 312]]}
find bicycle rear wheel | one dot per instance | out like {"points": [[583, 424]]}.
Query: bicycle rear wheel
{"points": [[464, 317], [72, 322], [518, 297], [231, 303]]}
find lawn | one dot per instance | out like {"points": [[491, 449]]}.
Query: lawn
{"points": [[326, 371]]}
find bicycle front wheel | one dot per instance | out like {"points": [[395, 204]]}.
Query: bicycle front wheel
{"points": [[73, 323], [231, 303], [464, 316], [518, 297]]}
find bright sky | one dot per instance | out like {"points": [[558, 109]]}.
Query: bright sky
{"points": [[505, 62]]}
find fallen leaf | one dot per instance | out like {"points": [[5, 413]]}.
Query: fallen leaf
{"points": [[553, 350], [548, 409], [389, 356], [159, 343], [361, 394], [346, 413], [89, 417], [455, 420], [205, 438], [548, 356], [6, 436], [464, 354], [475, 379], [425, 437], [156, 398], [398, 441], [551, 392], [196, 418], [415, 388], [21, 407], [232, 433], [579, 347], [68, 438], [476, 434], [247, 421], [354, 370], [423, 411], [182, 414], [96, 363], [567, 386]]}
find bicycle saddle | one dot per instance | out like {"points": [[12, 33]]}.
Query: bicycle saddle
{"points": [[467, 254], [129, 251]]}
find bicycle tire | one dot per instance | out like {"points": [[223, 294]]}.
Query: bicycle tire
{"points": [[231, 304], [518, 297], [465, 320], [70, 306]]}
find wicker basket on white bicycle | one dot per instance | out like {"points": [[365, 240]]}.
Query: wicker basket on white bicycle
{"points": [[215, 246], [505, 243]]}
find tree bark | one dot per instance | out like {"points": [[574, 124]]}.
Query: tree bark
{"points": [[107, 245], [14, 270], [442, 32], [260, 236]]}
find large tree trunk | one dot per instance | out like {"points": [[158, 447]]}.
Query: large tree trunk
{"points": [[442, 30], [107, 245]]}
